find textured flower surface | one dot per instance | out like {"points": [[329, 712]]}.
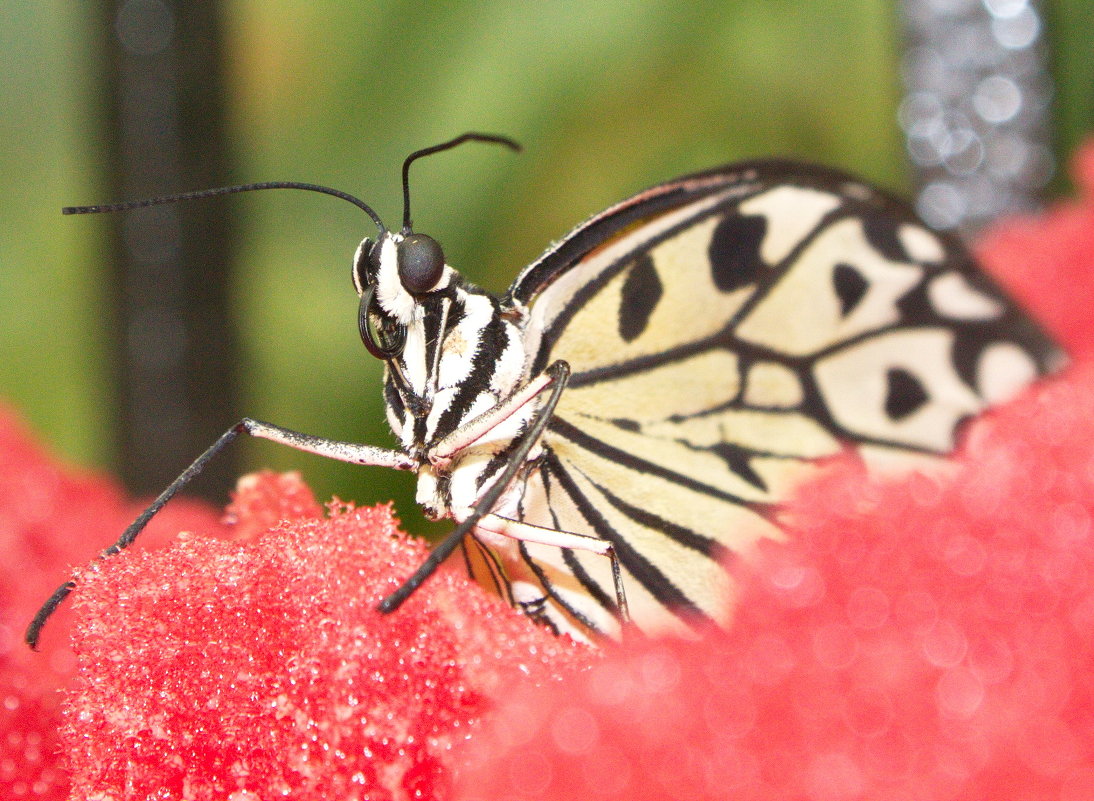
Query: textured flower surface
{"points": [[262, 668], [51, 518], [242, 658], [928, 638]]}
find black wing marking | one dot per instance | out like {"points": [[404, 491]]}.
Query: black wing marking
{"points": [[727, 332]]}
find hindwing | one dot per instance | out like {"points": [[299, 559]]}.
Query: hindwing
{"points": [[726, 332]]}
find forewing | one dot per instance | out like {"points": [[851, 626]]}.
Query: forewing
{"points": [[725, 333]]}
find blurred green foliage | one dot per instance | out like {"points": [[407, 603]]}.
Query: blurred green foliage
{"points": [[607, 97]]}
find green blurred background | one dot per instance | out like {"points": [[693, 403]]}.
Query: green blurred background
{"points": [[607, 98]]}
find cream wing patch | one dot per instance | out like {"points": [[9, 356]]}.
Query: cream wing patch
{"points": [[790, 212], [838, 288], [1003, 370], [791, 434], [898, 388], [703, 470], [649, 307], [685, 387], [921, 244], [693, 506], [952, 297], [565, 293], [770, 384]]}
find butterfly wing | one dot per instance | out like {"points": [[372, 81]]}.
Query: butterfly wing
{"points": [[726, 332]]}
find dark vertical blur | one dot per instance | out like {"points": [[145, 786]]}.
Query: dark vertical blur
{"points": [[174, 338]]}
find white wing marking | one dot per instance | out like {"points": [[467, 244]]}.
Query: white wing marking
{"points": [[791, 213]]}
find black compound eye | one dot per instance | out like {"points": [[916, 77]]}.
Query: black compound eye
{"points": [[421, 263]]}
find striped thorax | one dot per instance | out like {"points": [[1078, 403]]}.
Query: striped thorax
{"points": [[461, 356]]}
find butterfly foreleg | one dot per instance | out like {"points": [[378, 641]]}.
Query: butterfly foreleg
{"points": [[333, 449], [473, 430]]}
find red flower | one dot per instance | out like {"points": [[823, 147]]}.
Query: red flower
{"points": [[244, 661], [51, 517], [260, 669], [912, 640]]}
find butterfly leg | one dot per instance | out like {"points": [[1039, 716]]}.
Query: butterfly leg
{"points": [[620, 592], [544, 536], [469, 432], [562, 539], [333, 449]]}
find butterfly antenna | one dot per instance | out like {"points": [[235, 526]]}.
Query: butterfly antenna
{"points": [[227, 190], [451, 143]]}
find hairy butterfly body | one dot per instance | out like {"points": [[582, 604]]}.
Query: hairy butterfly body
{"points": [[650, 389]]}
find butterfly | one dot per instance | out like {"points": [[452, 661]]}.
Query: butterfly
{"points": [[647, 393]]}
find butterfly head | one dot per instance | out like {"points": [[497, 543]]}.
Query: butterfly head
{"points": [[395, 274]]}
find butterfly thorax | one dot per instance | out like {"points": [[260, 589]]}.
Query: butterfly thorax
{"points": [[462, 357], [463, 354]]}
